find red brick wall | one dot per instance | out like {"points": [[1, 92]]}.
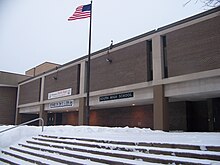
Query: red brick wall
{"points": [[7, 105], [67, 78], [70, 118], [139, 116], [194, 48], [129, 66], [30, 92]]}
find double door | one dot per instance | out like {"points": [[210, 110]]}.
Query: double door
{"points": [[204, 116], [54, 119]]}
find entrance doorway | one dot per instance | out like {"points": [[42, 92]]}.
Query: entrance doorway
{"points": [[216, 114], [203, 116], [197, 116], [54, 119]]}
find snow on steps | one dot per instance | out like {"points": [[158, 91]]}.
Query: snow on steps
{"points": [[63, 150]]}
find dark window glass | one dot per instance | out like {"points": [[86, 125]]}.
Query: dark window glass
{"points": [[78, 78], [165, 66], [149, 61]]}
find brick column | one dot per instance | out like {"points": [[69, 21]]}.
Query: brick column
{"points": [[157, 58], [161, 114], [18, 116], [82, 77], [42, 113], [82, 111]]}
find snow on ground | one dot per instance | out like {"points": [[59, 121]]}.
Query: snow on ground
{"points": [[20, 133], [106, 133]]}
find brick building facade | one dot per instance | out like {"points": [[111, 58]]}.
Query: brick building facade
{"points": [[166, 79]]}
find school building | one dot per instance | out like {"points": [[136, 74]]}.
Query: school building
{"points": [[8, 96], [165, 79]]}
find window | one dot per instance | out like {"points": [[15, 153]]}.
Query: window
{"points": [[149, 61], [78, 78], [165, 66]]}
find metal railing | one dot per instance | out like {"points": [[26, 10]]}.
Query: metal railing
{"points": [[28, 122]]}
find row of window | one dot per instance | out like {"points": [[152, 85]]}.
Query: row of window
{"points": [[150, 59]]}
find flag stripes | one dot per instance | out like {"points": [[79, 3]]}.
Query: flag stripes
{"points": [[81, 12]]}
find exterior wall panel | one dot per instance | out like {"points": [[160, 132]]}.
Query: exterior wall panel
{"points": [[177, 116], [140, 116], [11, 78], [7, 105], [30, 92], [41, 69], [129, 66], [64, 79], [194, 48]]}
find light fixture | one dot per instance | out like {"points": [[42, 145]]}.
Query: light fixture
{"points": [[111, 45], [108, 60], [55, 77], [133, 104]]}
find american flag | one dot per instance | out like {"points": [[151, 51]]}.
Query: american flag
{"points": [[83, 11]]}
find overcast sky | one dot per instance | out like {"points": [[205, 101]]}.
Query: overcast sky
{"points": [[35, 31]]}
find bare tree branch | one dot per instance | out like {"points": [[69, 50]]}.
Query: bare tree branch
{"points": [[186, 3], [208, 3]]}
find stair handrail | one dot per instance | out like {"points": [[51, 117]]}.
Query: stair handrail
{"points": [[28, 122]]}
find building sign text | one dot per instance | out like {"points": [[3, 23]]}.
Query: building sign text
{"points": [[61, 93], [61, 104], [117, 96]]}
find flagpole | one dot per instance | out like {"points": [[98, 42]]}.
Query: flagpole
{"points": [[88, 71]]}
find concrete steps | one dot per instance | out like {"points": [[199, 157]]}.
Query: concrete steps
{"points": [[64, 150]]}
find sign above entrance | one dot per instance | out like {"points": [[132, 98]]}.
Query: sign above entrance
{"points": [[61, 104], [61, 93], [117, 96]]}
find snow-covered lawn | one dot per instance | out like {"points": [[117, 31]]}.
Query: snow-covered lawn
{"points": [[106, 133]]}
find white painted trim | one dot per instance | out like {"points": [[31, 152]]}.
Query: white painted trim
{"points": [[42, 89], [189, 77], [29, 105], [5, 85], [82, 77], [122, 88], [31, 109], [197, 88], [157, 58]]}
